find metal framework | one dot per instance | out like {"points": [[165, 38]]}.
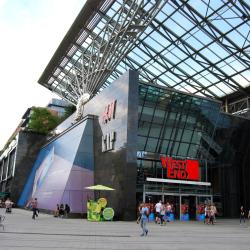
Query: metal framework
{"points": [[200, 47], [240, 107]]}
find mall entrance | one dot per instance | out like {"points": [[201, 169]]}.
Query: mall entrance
{"points": [[187, 201]]}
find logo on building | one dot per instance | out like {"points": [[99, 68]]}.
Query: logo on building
{"points": [[109, 112], [181, 169], [108, 141]]}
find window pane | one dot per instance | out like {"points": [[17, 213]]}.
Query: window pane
{"points": [[164, 145], [179, 134], [143, 128], [196, 137], [159, 116], [155, 130], [147, 114], [187, 135], [192, 152], [183, 149], [151, 145], [141, 143], [175, 149], [168, 132]]}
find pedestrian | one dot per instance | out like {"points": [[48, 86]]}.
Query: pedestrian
{"points": [[8, 205], [162, 213], [248, 216], [56, 212], [66, 210], [168, 212], [34, 206], [214, 211], [144, 219], [158, 212], [139, 213], [212, 215], [61, 211], [207, 214], [242, 214]]}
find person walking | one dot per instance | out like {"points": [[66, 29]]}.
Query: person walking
{"points": [[8, 205], [158, 212], [34, 206], [61, 211], [66, 210], [207, 215], [56, 212], [242, 214], [144, 219]]}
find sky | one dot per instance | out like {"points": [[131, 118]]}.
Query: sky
{"points": [[30, 32]]}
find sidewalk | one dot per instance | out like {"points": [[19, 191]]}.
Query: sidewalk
{"points": [[47, 232]]}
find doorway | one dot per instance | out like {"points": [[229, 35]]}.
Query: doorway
{"points": [[189, 206]]}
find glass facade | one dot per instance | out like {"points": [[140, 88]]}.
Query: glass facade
{"points": [[183, 126], [229, 172], [174, 124]]}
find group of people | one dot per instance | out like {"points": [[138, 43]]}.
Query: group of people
{"points": [[62, 211], [162, 213], [7, 204]]}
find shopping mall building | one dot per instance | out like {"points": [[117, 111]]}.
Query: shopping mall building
{"points": [[165, 108]]}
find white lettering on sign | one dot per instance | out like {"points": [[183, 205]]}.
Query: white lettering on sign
{"points": [[108, 141]]}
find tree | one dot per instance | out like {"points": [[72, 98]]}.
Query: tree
{"points": [[42, 120]]}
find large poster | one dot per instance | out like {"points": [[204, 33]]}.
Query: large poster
{"points": [[62, 170]]}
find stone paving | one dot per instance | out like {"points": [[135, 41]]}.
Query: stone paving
{"points": [[47, 232]]}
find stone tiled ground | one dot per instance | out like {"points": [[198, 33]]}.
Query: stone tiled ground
{"points": [[21, 232]]}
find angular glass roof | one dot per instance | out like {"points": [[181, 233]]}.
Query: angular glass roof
{"points": [[200, 47]]}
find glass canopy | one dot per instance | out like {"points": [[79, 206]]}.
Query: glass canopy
{"points": [[200, 47]]}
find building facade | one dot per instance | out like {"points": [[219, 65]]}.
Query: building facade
{"points": [[149, 143]]}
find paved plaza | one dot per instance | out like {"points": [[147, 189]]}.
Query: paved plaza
{"points": [[47, 232]]}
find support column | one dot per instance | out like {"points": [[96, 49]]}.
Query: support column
{"points": [[226, 106]]}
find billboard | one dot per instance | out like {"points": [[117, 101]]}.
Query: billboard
{"points": [[63, 168], [181, 169]]}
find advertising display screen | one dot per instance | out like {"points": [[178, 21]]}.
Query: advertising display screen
{"points": [[181, 169]]}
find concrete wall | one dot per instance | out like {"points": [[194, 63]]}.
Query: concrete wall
{"points": [[28, 146]]}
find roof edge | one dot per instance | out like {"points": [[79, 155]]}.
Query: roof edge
{"points": [[89, 8]]}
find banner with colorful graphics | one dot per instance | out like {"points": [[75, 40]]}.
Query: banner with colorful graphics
{"points": [[97, 210], [93, 211]]}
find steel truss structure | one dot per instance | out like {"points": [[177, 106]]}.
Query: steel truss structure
{"points": [[200, 47]]}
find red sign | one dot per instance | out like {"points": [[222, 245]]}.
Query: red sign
{"points": [[181, 169], [109, 112]]}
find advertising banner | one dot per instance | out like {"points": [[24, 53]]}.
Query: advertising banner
{"points": [[181, 169]]}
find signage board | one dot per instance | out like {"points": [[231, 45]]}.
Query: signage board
{"points": [[181, 169]]}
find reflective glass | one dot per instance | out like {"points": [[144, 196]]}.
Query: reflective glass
{"points": [[151, 145], [183, 149], [155, 130]]}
